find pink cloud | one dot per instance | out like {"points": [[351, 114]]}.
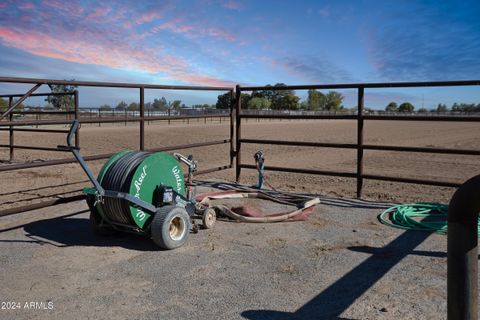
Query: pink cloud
{"points": [[85, 47], [147, 17], [26, 6], [98, 12], [192, 31], [71, 8], [232, 5]]}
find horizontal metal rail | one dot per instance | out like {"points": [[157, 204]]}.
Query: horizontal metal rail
{"points": [[63, 200], [47, 163], [369, 85], [299, 117], [354, 175], [37, 94], [35, 130], [112, 84], [16, 146], [307, 171], [44, 112], [365, 146], [340, 116], [109, 120]]}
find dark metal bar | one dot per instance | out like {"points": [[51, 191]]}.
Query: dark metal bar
{"points": [[413, 181], [213, 170], [19, 101], [365, 146], [232, 132], [360, 107], [110, 84], [10, 131], [371, 85], [308, 171], [238, 133], [36, 130], [423, 118], [300, 117], [42, 112], [301, 143], [142, 119], [462, 251], [40, 205], [76, 116], [17, 95], [421, 149], [189, 146], [55, 162], [12, 146]]}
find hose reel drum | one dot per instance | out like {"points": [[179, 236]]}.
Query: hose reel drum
{"points": [[143, 193]]}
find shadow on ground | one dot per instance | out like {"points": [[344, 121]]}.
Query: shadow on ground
{"points": [[67, 231], [338, 297]]}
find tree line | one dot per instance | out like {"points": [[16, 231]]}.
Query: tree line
{"points": [[441, 107], [284, 99]]}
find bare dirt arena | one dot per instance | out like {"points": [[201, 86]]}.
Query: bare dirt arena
{"points": [[340, 264]]}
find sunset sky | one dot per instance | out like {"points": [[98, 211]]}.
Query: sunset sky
{"points": [[224, 42]]}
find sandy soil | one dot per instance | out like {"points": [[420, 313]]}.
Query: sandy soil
{"points": [[31, 185]]}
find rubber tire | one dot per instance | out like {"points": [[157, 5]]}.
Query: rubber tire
{"points": [[96, 220], [209, 223], [160, 227]]}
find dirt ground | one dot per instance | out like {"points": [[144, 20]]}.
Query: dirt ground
{"points": [[32, 185], [340, 264]]}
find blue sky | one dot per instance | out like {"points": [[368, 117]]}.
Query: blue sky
{"points": [[224, 42]]}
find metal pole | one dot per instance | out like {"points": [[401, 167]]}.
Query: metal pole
{"points": [[462, 251], [76, 115], [360, 142], [232, 119], [11, 138], [238, 134], [142, 118]]}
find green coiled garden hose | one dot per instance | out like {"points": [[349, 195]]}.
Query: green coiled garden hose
{"points": [[423, 216]]}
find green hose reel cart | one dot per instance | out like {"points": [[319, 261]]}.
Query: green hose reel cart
{"points": [[143, 193]]}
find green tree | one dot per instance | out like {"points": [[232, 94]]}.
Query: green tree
{"points": [[245, 98], [333, 101], [3, 104], [64, 102], [223, 101], [284, 99], [442, 108], [105, 107], [406, 107], [160, 104], [133, 107], [175, 104], [122, 106], [422, 110], [392, 107], [316, 100], [259, 103]]}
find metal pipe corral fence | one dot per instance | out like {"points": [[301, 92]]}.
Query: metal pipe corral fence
{"points": [[462, 251]]}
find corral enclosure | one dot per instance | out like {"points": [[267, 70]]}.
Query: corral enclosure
{"points": [[111, 138], [341, 262]]}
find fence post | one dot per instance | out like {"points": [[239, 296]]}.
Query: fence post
{"points": [[238, 134], [76, 116], [11, 137], [232, 146], [142, 119], [360, 141], [462, 251]]}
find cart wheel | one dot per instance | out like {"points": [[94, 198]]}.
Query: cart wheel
{"points": [[170, 227], [208, 218], [98, 228]]}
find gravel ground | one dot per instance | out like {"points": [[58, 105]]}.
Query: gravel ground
{"points": [[340, 264]]}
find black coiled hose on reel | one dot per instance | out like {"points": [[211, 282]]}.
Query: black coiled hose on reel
{"points": [[118, 177]]}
